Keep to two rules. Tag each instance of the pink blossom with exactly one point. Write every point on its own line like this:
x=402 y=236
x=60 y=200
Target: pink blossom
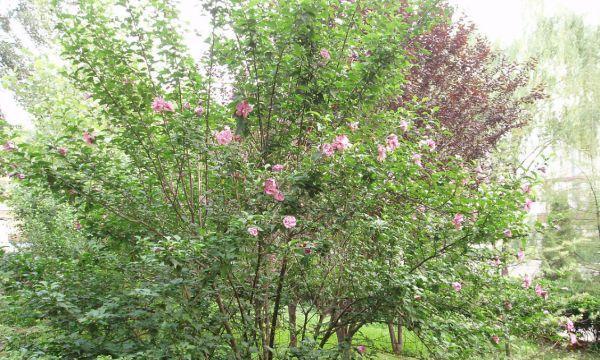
x=458 y=220
x=159 y=105
x=507 y=233
x=541 y=292
x=289 y=221
x=88 y=138
x=327 y=149
x=496 y=261
x=570 y=326
x=421 y=208
x=404 y=125
x=457 y=286
x=77 y=225
x=325 y=54
x=526 y=281
x=20 y=176
x=361 y=349
x=279 y=196
x=381 y=153
x=199 y=111
x=224 y=136
x=353 y=126
x=520 y=255
x=573 y=339
x=508 y=305
x=243 y=109
x=526 y=188
x=392 y=142
x=62 y=151
x=277 y=167
x=416 y=158
x=496 y=339
x=253 y=230
x=430 y=143
x=9 y=146
x=270 y=187
x=308 y=250
x=341 y=143
x=186 y=105
x=528 y=204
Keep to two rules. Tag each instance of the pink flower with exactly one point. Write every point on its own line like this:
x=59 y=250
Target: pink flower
x=308 y=250
x=541 y=292
x=457 y=286
x=341 y=143
x=20 y=176
x=520 y=255
x=507 y=233
x=289 y=221
x=496 y=339
x=458 y=220
x=508 y=305
x=528 y=204
x=361 y=349
x=277 y=167
x=62 y=151
x=416 y=158
x=159 y=105
x=421 y=208
x=279 y=196
x=381 y=153
x=392 y=142
x=526 y=281
x=325 y=54
x=77 y=225
x=327 y=149
x=270 y=187
x=9 y=146
x=496 y=261
x=199 y=111
x=404 y=125
x=353 y=126
x=186 y=105
x=431 y=144
x=526 y=188
x=573 y=339
x=253 y=230
x=570 y=326
x=88 y=138
x=224 y=136
x=243 y=109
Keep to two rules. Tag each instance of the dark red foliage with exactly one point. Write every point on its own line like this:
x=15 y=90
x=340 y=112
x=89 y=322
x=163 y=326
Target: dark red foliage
x=480 y=94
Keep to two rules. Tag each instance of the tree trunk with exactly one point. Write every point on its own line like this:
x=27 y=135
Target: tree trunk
x=292 y=320
x=392 y=331
x=400 y=336
x=344 y=342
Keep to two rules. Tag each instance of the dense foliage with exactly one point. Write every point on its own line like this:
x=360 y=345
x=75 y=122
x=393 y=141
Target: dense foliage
x=266 y=203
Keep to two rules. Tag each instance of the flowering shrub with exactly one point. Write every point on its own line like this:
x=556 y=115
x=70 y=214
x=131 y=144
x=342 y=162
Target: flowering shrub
x=291 y=187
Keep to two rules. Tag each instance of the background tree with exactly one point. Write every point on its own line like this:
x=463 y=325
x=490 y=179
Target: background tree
x=479 y=94
x=567 y=124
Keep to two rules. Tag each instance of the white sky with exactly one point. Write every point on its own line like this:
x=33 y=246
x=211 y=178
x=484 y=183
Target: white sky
x=504 y=21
